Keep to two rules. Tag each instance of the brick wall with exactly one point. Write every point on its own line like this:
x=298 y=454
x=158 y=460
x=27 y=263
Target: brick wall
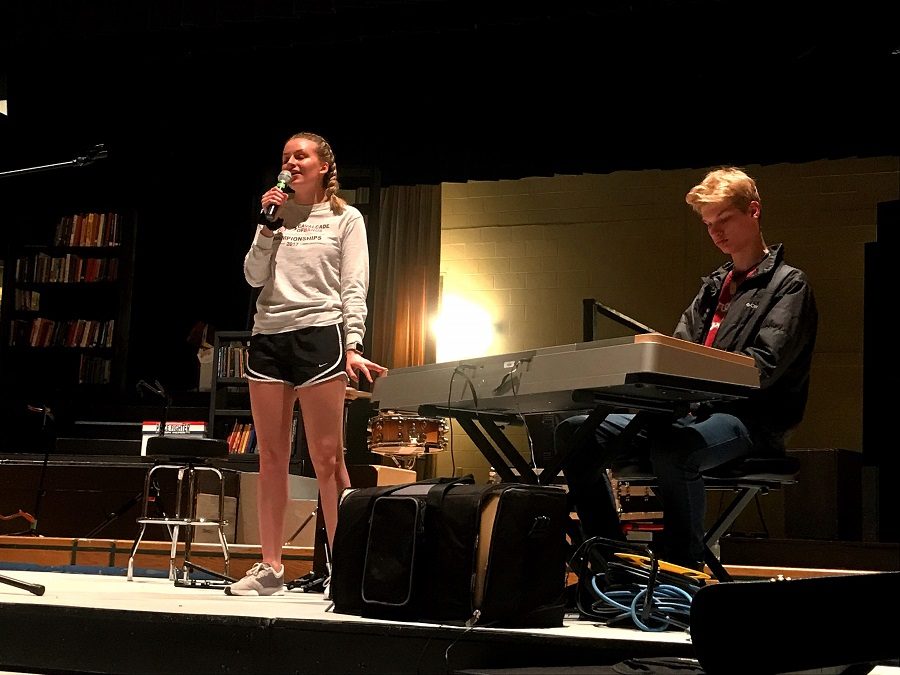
x=529 y=250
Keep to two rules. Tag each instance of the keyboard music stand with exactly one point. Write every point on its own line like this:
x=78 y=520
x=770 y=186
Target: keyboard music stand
x=591 y=305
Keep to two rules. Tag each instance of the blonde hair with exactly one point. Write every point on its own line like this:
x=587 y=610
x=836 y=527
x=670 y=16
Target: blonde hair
x=728 y=184
x=329 y=180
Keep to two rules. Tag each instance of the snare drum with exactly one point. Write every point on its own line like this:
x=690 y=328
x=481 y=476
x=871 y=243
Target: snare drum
x=395 y=433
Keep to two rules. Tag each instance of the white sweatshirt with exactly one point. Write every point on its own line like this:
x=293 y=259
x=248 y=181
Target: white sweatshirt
x=314 y=271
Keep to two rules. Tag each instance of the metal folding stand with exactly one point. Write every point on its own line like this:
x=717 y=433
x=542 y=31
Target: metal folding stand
x=306 y=521
x=314 y=580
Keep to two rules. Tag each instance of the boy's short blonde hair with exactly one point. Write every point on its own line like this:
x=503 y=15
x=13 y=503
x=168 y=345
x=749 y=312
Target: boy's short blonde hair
x=728 y=184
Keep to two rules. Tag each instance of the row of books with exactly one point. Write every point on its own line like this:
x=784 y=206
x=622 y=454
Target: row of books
x=70 y=268
x=43 y=332
x=27 y=301
x=232 y=360
x=93 y=370
x=88 y=229
x=242 y=439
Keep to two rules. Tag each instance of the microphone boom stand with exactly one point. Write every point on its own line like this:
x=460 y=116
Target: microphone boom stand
x=95 y=153
x=37 y=589
x=49 y=442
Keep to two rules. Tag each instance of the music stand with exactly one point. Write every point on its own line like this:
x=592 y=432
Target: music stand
x=592 y=304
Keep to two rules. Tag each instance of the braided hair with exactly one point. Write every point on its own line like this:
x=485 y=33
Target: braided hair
x=330 y=179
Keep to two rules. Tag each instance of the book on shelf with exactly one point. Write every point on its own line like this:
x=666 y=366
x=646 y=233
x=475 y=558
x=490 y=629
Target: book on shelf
x=242 y=439
x=88 y=229
x=70 y=268
x=232 y=360
x=94 y=370
x=44 y=332
x=27 y=301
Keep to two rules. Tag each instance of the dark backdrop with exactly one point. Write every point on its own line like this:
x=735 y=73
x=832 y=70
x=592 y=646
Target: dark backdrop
x=194 y=101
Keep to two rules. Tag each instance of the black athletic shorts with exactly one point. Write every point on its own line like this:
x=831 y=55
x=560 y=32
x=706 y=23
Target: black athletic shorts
x=299 y=357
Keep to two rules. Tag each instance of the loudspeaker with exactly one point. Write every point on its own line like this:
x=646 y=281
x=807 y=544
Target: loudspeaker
x=878 y=445
x=769 y=627
x=826 y=501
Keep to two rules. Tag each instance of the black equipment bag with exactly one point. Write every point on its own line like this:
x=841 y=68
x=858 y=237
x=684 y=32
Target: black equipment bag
x=451 y=551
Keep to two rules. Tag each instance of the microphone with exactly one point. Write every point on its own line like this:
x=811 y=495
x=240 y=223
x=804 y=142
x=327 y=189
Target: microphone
x=269 y=211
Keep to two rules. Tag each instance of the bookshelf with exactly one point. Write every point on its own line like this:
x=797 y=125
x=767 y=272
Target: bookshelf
x=229 y=399
x=66 y=310
x=229 y=402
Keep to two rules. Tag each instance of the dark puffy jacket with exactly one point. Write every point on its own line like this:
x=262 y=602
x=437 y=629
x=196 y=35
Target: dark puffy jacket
x=773 y=318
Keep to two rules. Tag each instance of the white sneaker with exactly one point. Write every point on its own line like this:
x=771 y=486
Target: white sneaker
x=261 y=579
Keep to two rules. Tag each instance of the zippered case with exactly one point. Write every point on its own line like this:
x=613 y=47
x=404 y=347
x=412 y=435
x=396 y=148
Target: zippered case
x=451 y=551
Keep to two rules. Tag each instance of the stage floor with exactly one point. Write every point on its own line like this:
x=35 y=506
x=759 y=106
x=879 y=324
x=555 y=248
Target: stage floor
x=106 y=624
x=103 y=623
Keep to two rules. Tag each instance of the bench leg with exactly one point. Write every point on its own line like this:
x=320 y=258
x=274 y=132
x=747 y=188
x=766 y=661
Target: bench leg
x=745 y=495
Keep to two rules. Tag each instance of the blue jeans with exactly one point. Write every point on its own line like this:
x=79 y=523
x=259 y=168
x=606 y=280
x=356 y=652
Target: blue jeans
x=678 y=452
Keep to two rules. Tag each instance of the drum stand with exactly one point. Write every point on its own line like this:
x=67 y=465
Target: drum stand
x=402 y=461
x=314 y=580
x=312 y=514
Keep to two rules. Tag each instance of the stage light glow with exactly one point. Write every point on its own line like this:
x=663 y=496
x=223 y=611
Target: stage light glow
x=462 y=329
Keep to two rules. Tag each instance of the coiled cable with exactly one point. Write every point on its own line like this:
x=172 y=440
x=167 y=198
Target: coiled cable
x=668 y=605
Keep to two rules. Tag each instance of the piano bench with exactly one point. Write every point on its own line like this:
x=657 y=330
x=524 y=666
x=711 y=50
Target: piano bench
x=747 y=478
